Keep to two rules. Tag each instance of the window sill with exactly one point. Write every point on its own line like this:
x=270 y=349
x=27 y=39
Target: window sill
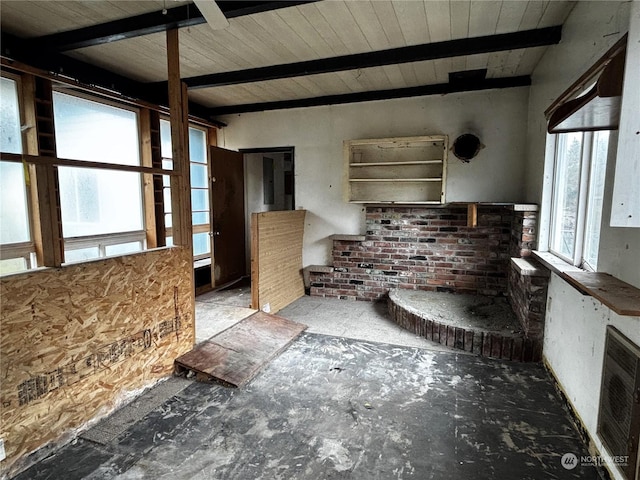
x=622 y=298
x=555 y=264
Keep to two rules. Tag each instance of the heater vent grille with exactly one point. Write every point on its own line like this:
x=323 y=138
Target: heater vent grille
x=619 y=413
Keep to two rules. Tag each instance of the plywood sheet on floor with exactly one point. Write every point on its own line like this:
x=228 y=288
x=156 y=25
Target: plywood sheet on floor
x=235 y=356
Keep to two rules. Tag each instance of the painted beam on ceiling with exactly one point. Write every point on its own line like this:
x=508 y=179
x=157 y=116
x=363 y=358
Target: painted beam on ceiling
x=420 y=91
x=416 y=53
x=71 y=70
x=148 y=23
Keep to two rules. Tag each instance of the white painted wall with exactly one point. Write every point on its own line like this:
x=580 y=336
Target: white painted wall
x=574 y=342
x=498 y=117
x=619 y=252
x=626 y=200
x=576 y=324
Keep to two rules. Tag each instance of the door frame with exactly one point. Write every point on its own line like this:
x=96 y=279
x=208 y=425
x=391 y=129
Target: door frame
x=247 y=213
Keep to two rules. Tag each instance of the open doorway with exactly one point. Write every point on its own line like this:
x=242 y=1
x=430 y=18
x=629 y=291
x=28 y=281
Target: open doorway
x=269 y=184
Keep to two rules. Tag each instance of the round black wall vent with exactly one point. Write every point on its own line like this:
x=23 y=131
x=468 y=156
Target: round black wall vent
x=466 y=146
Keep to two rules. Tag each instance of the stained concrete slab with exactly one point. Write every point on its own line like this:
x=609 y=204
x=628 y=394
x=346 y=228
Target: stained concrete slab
x=111 y=427
x=332 y=407
x=357 y=320
x=327 y=316
x=221 y=309
x=471 y=312
x=237 y=294
x=213 y=318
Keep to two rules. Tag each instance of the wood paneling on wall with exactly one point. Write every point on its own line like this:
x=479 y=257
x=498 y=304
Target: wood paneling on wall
x=276 y=259
x=74 y=340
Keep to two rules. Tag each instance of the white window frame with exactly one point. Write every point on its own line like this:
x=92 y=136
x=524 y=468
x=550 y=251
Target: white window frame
x=584 y=199
x=105 y=240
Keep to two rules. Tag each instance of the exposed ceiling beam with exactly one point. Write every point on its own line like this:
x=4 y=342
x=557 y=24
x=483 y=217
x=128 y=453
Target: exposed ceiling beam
x=148 y=23
x=67 y=68
x=424 y=90
x=416 y=53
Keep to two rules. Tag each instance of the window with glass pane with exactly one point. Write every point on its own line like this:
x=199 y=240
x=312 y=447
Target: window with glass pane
x=10 y=136
x=578 y=190
x=96 y=201
x=14 y=207
x=200 y=211
x=167 y=163
x=14 y=212
x=566 y=191
x=595 y=198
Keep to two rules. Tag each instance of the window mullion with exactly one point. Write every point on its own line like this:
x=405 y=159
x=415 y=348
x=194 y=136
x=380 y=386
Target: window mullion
x=587 y=147
x=553 y=230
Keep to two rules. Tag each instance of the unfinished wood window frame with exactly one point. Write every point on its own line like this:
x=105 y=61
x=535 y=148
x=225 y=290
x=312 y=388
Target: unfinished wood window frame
x=148 y=156
x=204 y=228
x=101 y=241
x=42 y=167
x=38 y=165
x=26 y=250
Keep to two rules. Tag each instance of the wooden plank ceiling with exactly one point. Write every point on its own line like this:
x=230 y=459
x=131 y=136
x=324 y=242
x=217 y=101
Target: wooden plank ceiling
x=311 y=31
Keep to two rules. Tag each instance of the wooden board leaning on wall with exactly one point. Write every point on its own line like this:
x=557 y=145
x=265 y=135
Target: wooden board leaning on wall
x=74 y=340
x=276 y=259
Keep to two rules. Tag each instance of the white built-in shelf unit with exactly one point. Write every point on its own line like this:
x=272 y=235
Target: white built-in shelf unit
x=403 y=170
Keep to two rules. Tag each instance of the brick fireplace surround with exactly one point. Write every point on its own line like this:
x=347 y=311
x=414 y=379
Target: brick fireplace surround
x=428 y=248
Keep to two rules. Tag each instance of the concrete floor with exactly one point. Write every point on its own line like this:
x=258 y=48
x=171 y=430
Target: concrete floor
x=217 y=311
x=381 y=404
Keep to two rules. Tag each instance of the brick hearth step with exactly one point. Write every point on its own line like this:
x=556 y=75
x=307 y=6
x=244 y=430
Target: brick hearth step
x=477 y=324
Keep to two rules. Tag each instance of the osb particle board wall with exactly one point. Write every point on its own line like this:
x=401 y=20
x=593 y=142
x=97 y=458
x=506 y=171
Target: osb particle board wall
x=276 y=259
x=74 y=340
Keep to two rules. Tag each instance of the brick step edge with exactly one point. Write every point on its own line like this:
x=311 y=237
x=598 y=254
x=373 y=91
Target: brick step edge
x=492 y=345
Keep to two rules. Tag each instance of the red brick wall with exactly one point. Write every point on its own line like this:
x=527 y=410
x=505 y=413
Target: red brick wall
x=427 y=248
x=523 y=233
x=528 y=298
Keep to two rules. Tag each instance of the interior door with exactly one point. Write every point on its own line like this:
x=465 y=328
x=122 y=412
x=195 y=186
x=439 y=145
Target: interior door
x=227 y=216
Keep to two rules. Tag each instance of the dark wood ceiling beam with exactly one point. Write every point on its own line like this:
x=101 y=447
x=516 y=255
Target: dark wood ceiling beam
x=235 y=8
x=68 y=70
x=420 y=91
x=417 y=53
x=148 y=23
